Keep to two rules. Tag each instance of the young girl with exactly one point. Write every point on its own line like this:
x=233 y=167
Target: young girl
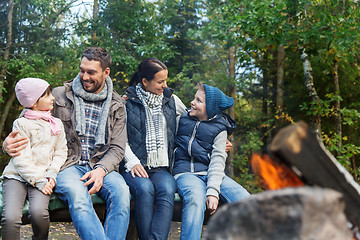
x=200 y=159
x=33 y=173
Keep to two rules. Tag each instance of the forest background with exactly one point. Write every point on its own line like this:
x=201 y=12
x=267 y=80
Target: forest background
x=283 y=61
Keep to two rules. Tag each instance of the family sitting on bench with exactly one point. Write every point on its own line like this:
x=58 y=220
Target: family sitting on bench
x=165 y=148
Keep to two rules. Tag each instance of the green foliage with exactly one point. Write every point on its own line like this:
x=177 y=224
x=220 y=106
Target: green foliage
x=197 y=40
x=37 y=38
x=345 y=151
x=177 y=19
x=325 y=29
x=248 y=141
x=323 y=107
x=131 y=31
x=245 y=177
x=37 y=50
x=185 y=87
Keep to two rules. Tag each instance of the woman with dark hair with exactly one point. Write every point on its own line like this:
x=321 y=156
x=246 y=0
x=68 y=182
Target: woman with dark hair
x=151 y=125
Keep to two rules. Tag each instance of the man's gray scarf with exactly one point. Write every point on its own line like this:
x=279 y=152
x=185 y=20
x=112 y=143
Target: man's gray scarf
x=80 y=95
x=154 y=126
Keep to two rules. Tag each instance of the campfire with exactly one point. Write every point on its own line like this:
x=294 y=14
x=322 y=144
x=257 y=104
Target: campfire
x=274 y=174
x=310 y=195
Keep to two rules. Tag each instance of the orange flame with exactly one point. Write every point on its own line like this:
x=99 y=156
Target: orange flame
x=274 y=175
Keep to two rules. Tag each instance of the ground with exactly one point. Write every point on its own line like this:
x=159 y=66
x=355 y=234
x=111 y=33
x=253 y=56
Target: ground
x=66 y=231
x=58 y=231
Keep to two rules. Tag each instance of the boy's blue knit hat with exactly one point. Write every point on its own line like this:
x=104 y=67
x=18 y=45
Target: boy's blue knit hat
x=216 y=101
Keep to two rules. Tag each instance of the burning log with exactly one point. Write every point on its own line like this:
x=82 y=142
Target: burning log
x=290 y=213
x=322 y=209
x=298 y=147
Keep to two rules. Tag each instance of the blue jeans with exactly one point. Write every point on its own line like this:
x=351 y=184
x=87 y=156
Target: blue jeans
x=192 y=189
x=115 y=193
x=158 y=190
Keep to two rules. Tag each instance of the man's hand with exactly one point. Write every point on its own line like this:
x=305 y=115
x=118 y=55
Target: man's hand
x=95 y=176
x=228 y=145
x=139 y=170
x=14 y=143
x=212 y=204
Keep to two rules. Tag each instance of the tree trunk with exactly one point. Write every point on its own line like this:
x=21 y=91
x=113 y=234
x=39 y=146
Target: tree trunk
x=337 y=105
x=353 y=166
x=95 y=16
x=5 y=114
x=265 y=106
x=343 y=7
x=7 y=48
x=232 y=90
x=280 y=81
x=280 y=77
x=309 y=84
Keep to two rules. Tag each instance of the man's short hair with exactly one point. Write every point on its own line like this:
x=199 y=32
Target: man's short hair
x=98 y=54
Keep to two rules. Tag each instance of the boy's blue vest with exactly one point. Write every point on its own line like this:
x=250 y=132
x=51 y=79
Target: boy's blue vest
x=136 y=129
x=200 y=136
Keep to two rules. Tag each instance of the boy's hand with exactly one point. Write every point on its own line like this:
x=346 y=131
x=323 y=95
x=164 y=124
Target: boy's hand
x=212 y=204
x=228 y=145
x=14 y=143
x=139 y=170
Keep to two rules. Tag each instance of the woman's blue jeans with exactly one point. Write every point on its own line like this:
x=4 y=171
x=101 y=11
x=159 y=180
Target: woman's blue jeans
x=154 y=203
x=115 y=193
x=192 y=189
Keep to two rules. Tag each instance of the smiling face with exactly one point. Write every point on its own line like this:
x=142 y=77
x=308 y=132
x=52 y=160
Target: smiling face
x=157 y=84
x=45 y=103
x=198 y=106
x=92 y=76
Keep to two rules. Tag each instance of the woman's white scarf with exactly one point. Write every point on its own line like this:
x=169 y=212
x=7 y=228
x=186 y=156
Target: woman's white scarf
x=155 y=145
x=80 y=95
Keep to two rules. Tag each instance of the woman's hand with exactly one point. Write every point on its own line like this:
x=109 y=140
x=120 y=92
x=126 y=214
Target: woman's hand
x=139 y=170
x=212 y=203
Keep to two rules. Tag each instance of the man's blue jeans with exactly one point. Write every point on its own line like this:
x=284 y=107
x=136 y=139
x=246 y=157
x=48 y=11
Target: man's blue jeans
x=192 y=189
x=158 y=190
x=115 y=193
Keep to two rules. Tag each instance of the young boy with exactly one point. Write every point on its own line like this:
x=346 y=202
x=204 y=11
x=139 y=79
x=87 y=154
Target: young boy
x=200 y=159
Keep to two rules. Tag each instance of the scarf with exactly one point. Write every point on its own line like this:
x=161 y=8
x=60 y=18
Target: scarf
x=80 y=95
x=154 y=127
x=45 y=115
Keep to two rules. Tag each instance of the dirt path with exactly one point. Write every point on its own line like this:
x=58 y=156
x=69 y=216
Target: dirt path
x=58 y=231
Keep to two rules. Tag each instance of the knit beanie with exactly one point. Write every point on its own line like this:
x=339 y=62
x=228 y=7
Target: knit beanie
x=29 y=90
x=216 y=101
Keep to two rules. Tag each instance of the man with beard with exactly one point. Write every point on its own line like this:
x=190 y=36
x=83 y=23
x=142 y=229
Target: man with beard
x=93 y=115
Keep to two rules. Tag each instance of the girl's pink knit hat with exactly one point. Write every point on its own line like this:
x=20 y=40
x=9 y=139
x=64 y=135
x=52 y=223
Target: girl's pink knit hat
x=29 y=90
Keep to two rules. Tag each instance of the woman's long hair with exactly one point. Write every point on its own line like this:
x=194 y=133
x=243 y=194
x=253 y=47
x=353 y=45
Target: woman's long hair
x=147 y=69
